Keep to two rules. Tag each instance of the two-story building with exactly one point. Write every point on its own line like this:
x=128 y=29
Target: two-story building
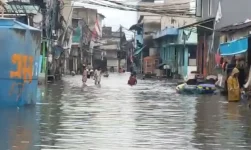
x=83 y=24
x=220 y=21
x=176 y=46
x=148 y=23
x=112 y=48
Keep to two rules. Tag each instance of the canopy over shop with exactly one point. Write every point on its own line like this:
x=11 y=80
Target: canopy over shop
x=238 y=48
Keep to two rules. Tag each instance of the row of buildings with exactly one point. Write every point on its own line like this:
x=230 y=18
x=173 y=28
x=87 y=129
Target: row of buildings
x=91 y=43
x=181 y=44
x=100 y=46
x=71 y=35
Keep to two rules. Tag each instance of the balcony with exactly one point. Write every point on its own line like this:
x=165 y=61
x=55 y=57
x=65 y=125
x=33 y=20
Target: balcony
x=76 y=35
x=166 y=32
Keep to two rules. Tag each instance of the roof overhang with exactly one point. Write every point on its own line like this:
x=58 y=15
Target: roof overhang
x=136 y=27
x=166 y=32
x=235 y=27
x=101 y=15
x=21 y=9
x=200 y=24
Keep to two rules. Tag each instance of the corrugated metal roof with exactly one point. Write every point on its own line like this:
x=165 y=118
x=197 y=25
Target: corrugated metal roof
x=236 y=26
x=21 y=9
x=12 y=23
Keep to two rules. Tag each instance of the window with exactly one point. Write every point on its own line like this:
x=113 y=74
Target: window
x=192 y=50
x=156 y=62
x=74 y=23
x=148 y=64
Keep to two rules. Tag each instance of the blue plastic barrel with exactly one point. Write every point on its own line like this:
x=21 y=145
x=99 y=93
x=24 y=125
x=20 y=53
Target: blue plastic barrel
x=19 y=63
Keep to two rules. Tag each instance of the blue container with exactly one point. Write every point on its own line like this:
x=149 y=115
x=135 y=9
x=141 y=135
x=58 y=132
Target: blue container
x=19 y=63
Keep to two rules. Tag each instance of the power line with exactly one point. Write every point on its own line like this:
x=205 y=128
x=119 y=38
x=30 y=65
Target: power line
x=165 y=12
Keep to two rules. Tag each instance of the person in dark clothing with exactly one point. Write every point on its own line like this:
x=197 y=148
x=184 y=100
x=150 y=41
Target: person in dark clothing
x=131 y=69
x=242 y=76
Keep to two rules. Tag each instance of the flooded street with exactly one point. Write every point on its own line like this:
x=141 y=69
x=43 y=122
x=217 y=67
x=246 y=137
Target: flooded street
x=115 y=116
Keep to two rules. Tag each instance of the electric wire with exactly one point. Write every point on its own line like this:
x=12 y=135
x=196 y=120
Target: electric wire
x=171 y=12
x=164 y=6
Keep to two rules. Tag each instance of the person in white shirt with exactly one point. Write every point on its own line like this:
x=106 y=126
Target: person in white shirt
x=97 y=76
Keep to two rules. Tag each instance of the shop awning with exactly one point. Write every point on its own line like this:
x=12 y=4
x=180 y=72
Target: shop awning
x=166 y=32
x=139 y=50
x=199 y=23
x=234 y=47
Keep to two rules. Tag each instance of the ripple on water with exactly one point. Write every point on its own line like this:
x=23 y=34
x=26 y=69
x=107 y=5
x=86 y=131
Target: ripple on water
x=115 y=116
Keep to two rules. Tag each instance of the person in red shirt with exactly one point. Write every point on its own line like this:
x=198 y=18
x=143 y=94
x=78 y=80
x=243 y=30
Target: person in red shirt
x=132 y=80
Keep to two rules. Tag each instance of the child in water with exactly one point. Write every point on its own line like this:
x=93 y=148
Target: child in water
x=132 y=80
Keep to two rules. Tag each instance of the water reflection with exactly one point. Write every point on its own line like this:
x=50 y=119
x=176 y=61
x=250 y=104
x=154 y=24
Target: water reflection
x=50 y=109
x=219 y=124
x=19 y=128
x=149 y=116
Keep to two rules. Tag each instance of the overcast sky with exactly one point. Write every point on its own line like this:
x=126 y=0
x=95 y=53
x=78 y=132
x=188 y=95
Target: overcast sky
x=115 y=18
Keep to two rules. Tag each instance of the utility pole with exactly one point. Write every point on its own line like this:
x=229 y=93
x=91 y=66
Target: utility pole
x=120 y=46
x=81 y=24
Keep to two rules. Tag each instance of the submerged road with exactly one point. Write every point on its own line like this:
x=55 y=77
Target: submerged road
x=115 y=116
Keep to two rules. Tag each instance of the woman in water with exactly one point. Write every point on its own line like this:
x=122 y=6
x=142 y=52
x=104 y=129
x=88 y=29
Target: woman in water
x=84 y=76
x=97 y=76
x=233 y=86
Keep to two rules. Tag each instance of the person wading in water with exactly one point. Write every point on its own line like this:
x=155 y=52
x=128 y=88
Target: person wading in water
x=97 y=76
x=233 y=86
x=84 y=76
x=229 y=67
x=132 y=80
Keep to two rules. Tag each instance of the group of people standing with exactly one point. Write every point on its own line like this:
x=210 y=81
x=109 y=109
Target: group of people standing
x=96 y=75
x=89 y=74
x=236 y=78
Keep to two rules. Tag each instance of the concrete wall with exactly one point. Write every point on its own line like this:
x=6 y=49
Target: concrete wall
x=107 y=31
x=225 y=37
x=111 y=54
x=89 y=15
x=152 y=51
x=176 y=22
x=151 y=21
x=192 y=38
x=38 y=19
x=112 y=63
x=169 y=21
x=109 y=47
x=67 y=11
x=232 y=11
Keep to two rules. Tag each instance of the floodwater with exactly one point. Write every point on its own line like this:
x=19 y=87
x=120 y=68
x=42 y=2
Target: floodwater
x=115 y=116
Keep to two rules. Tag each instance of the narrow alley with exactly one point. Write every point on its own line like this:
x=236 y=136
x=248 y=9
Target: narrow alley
x=149 y=116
